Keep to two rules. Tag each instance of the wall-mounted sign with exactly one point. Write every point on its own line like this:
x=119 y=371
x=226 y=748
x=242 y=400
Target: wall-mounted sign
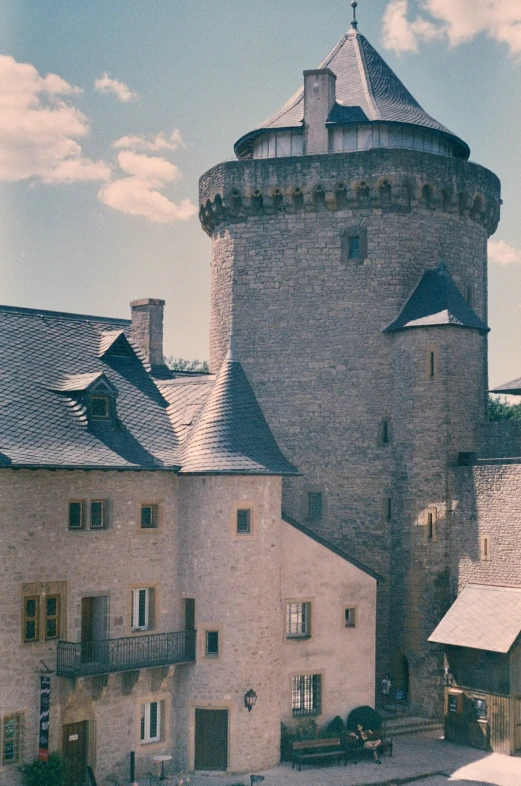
x=45 y=703
x=74 y=737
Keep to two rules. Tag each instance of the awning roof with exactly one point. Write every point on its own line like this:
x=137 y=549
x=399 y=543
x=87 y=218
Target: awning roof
x=482 y=618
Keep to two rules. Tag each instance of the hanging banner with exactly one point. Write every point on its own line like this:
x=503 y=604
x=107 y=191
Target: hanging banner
x=45 y=703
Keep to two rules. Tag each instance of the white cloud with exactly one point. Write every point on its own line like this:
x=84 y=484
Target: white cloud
x=39 y=129
x=406 y=22
x=502 y=253
x=139 y=194
x=152 y=143
x=104 y=84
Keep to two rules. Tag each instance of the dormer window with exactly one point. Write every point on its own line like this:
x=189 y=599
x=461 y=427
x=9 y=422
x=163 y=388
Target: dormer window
x=100 y=407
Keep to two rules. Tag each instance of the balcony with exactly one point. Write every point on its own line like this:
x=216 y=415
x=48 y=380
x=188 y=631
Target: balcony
x=83 y=659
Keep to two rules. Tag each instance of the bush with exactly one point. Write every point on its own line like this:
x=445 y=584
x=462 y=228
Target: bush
x=45 y=773
x=336 y=727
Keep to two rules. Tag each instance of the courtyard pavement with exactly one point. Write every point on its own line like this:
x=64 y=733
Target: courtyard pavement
x=420 y=759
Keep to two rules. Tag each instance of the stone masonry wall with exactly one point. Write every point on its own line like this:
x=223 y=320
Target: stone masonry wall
x=308 y=321
x=487 y=502
x=434 y=420
x=235 y=581
x=38 y=548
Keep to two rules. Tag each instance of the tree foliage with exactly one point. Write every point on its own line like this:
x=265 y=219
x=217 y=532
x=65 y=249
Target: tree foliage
x=192 y=366
x=500 y=409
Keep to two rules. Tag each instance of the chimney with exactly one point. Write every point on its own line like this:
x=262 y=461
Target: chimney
x=319 y=100
x=147 y=328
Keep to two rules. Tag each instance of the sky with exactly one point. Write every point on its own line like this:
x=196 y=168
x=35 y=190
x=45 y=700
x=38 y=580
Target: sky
x=111 y=111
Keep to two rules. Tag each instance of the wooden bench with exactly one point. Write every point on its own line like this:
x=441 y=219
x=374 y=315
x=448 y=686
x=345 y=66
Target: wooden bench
x=303 y=750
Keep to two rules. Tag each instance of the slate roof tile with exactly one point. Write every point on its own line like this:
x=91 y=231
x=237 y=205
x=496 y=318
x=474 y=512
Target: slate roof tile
x=366 y=88
x=49 y=360
x=436 y=301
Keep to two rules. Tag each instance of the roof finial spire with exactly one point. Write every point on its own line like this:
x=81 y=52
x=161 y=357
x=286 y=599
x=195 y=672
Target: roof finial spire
x=354 y=22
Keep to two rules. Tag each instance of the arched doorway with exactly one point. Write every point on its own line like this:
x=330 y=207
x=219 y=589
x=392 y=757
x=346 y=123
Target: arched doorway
x=400 y=676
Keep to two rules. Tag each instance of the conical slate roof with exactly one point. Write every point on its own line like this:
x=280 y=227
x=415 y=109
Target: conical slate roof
x=232 y=436
x=436 y=301
x=367 y=90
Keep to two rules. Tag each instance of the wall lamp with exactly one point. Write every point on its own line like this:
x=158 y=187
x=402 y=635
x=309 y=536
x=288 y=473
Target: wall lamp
x=249 y=700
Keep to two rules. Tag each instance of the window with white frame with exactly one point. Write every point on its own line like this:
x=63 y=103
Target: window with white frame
x=151 y=721
x=306 y=695
x=298 y=620
x=142 y=608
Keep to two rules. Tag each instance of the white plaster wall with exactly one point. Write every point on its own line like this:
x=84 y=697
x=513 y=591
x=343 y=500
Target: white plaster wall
x=344 y=656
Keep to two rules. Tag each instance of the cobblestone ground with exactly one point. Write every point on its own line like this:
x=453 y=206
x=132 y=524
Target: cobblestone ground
x=420 y=760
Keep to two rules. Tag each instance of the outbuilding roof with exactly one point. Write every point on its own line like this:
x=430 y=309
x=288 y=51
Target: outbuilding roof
x=482 y=617
x=435 y=301
x=367 y=90
x=512 y=388
x=51 y=362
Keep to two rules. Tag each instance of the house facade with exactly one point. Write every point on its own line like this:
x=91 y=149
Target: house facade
x=148 y=578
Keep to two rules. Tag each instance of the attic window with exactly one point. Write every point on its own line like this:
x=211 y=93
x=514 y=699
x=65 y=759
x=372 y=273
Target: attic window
x=100 y=407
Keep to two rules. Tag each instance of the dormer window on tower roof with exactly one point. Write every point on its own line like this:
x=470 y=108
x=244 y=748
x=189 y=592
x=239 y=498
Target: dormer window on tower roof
x=100 y=407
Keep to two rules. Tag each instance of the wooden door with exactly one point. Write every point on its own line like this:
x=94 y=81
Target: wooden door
x=75 y=751
x=517 y=724
x=211 y=740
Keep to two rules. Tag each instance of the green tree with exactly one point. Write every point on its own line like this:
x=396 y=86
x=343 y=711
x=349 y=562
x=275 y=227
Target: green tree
x=500 y=409
x=193 y=366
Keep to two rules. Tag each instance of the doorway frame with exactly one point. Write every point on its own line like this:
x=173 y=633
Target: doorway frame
x=210 y=705
x=89 y=742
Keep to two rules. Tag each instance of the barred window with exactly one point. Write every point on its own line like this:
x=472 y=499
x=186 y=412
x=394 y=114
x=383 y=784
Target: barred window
x=298 y=620
x=306 y=695
x=11 y=727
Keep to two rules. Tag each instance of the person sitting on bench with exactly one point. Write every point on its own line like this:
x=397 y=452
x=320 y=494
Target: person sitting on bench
x=363 y=737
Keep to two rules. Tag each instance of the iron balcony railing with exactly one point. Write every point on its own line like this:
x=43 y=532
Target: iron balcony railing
x=81 y=659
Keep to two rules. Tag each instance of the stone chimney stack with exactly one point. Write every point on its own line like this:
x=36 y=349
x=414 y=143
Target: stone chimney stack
x=319 y=100
x=147 y=328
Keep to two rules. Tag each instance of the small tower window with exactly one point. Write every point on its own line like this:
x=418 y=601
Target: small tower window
x=100 y=407
x=385 y=432
x=485 y=548
x=388 y=508
x=354 y=247
x=349 y=617
x=431 y=527
x=431 y=362
x=315 y=505
x=469 y=294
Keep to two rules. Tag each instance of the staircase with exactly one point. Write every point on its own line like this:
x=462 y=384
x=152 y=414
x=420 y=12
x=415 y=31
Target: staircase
x=407 y=724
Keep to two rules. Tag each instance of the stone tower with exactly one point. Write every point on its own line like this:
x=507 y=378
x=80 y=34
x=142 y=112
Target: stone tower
x=336 y=208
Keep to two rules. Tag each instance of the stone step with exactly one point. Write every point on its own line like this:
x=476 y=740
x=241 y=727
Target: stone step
x=398 y=727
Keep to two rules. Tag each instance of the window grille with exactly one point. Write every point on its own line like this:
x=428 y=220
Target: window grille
x=306 y=695
x=298 y=619
x=11 y=731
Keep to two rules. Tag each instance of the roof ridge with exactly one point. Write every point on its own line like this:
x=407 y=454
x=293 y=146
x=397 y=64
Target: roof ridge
x=364 y=78
x=40 y=312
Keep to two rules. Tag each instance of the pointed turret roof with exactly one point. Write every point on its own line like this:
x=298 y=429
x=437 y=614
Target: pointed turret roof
x=436 y=301
x=367 y=90
x=232 y=436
